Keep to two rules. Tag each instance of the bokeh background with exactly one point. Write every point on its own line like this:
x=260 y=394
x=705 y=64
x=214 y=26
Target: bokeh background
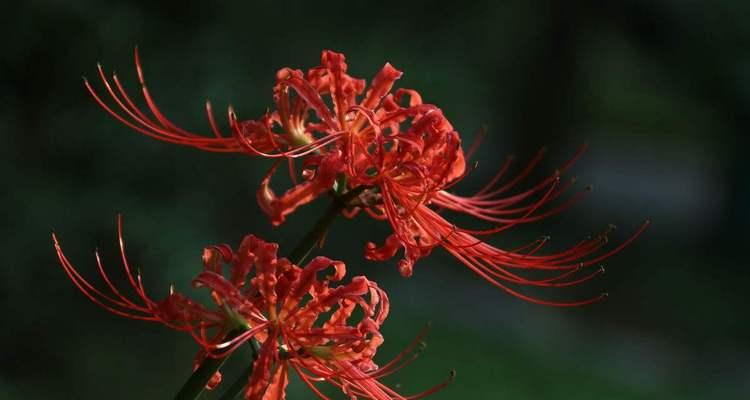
x=658 y=89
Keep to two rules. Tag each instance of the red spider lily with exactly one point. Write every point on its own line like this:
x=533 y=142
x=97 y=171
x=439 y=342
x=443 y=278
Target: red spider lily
x=412 y=198
x=302 y=321
x=407 y=156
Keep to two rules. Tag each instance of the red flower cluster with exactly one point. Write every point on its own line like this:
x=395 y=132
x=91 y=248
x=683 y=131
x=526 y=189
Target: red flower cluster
x=302 y=321
x=403 y=156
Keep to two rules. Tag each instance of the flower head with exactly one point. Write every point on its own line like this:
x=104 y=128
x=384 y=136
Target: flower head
x=303 y=318
x=404 y=157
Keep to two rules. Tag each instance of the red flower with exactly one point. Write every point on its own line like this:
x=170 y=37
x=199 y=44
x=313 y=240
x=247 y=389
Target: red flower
x=404 y=156
x=303 y=322
x=414 y=211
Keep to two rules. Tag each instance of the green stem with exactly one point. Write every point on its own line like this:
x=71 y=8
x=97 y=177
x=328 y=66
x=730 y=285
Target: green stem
x=240 y=383
x=313 y=237
x=193 y=388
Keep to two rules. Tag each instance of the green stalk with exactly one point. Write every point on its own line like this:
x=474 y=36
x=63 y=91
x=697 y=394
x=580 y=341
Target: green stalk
x=314 y=236
x=193 y=388
x=240 y=383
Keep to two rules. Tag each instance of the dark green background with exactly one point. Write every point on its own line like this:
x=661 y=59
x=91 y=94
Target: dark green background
x=659 y=89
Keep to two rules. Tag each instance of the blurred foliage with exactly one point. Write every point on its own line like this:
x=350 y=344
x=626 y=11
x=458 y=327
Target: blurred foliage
x=659 y=89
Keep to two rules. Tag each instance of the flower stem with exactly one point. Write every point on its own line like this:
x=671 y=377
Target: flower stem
x=314 y=236
x=240 y=383
x=193 y=388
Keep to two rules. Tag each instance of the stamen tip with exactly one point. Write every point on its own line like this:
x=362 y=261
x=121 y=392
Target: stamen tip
x=451 y=375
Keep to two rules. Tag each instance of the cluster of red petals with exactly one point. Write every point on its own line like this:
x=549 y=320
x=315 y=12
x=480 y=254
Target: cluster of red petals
x=302 y=320
x=404 y=155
